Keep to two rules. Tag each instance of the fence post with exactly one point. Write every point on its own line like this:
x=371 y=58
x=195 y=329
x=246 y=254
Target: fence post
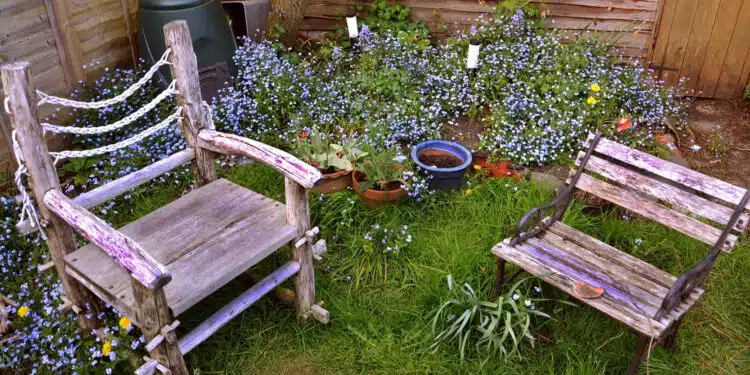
x=19 y=88
x=195 y=117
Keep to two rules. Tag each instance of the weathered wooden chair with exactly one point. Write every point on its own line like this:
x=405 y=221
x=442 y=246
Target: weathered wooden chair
x=643 y=297
x=156 y=268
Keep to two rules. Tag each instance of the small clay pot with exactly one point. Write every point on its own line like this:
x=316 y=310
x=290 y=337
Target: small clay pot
x=334 y=182
x=375 y=198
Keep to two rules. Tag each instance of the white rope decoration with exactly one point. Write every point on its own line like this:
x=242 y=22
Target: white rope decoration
x=49 y=99
x=119 y=145
x=27 y=206
x=120 y=123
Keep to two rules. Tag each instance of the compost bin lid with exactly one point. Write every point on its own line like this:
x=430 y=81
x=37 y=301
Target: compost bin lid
x=170 y=4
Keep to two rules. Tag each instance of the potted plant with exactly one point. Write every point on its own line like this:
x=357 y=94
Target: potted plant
x=445 y=161
x=378 y=179
x=335 y=161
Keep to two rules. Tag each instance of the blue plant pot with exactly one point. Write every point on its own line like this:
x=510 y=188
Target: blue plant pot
x=443 y=178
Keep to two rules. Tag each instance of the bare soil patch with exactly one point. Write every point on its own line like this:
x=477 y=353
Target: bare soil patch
x=721 y=131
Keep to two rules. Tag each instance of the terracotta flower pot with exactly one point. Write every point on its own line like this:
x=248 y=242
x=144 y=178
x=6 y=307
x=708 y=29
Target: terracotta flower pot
x=375 y=198
x=334 y=182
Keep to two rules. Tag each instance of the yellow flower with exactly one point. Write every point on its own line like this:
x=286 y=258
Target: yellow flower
x=124 y=323
x=23 y=311
x=591 y=100
x=595 y=87
x=477 y=167
x=468 y=191
x=106 y=348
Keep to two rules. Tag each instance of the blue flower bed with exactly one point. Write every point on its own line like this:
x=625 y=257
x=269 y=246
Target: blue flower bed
x=539 y=96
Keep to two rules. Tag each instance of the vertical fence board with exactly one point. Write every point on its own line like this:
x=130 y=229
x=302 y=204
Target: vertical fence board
x=678 y=39
x=700 y=33
x=665 y=27
x=721 y=35
x=729 y=84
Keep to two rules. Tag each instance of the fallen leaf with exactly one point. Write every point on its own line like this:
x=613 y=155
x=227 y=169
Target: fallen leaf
x=583 y=289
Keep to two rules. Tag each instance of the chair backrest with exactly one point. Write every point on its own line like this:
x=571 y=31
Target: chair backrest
x=690 y=202
x=191 y=114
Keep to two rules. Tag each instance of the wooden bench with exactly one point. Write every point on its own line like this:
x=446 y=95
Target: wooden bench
x=645 y=298
x=156 y=268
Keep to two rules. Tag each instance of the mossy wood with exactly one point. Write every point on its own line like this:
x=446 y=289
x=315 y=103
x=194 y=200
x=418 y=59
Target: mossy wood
x=645 y=298
x=157 y=267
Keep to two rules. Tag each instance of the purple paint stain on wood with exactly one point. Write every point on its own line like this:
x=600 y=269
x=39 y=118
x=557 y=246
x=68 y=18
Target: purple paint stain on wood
x=555 y=258
x=125 y=251
x=677 y=173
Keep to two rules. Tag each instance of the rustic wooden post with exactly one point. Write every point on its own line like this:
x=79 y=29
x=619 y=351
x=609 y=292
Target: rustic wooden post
x=19 y=88
x=195 y=117
x=298 y=214
x=287 y=14
x=153 y=313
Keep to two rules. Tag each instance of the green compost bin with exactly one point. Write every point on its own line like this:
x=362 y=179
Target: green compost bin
x=213 y=42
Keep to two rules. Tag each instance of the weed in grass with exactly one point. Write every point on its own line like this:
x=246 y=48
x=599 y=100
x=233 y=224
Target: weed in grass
x=492 y=328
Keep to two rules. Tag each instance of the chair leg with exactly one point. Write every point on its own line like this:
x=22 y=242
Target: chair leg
x=153 y=313
x=298 y=215
x=671 y=338
x=641 y=348
x=499 y=278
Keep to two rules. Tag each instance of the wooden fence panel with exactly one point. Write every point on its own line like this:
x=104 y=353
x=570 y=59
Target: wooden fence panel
x=627 y=22
x=707 y=42
x=59 y=37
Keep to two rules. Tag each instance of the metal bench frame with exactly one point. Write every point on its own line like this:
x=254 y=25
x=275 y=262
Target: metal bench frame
x=530 y=227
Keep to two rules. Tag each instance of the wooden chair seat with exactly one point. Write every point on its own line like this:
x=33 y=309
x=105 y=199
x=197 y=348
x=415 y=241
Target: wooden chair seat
x=633 y=289
x=205 y=238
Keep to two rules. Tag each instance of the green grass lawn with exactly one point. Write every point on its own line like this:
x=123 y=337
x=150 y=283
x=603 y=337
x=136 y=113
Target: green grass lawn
x=381 y=305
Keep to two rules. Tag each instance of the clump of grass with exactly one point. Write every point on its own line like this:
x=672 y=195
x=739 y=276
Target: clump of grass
x=496 y=328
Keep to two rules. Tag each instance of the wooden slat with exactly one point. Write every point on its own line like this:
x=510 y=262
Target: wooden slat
x=126 y=183
x=639 y=293
x=718 y=45
x=612 y=254
x=659 y=6
x=171 y=231
x=700 y=32
x=616 y=305
x=101 y=194
x=663 y=32
x=616 y=280
x=67 y=34
x=26 y=18
x=678 y=40
x=205 y=238
x=731 y=84
x=227 y=255
x=676 y=197
x=684 y=176
x=654 y=211
x=237 y=306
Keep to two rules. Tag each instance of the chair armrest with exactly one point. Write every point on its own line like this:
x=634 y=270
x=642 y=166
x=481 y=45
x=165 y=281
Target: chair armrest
x=534 y=214
x=285 y=163
x=561 y=203
x=694 y=278
x=124 y=250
